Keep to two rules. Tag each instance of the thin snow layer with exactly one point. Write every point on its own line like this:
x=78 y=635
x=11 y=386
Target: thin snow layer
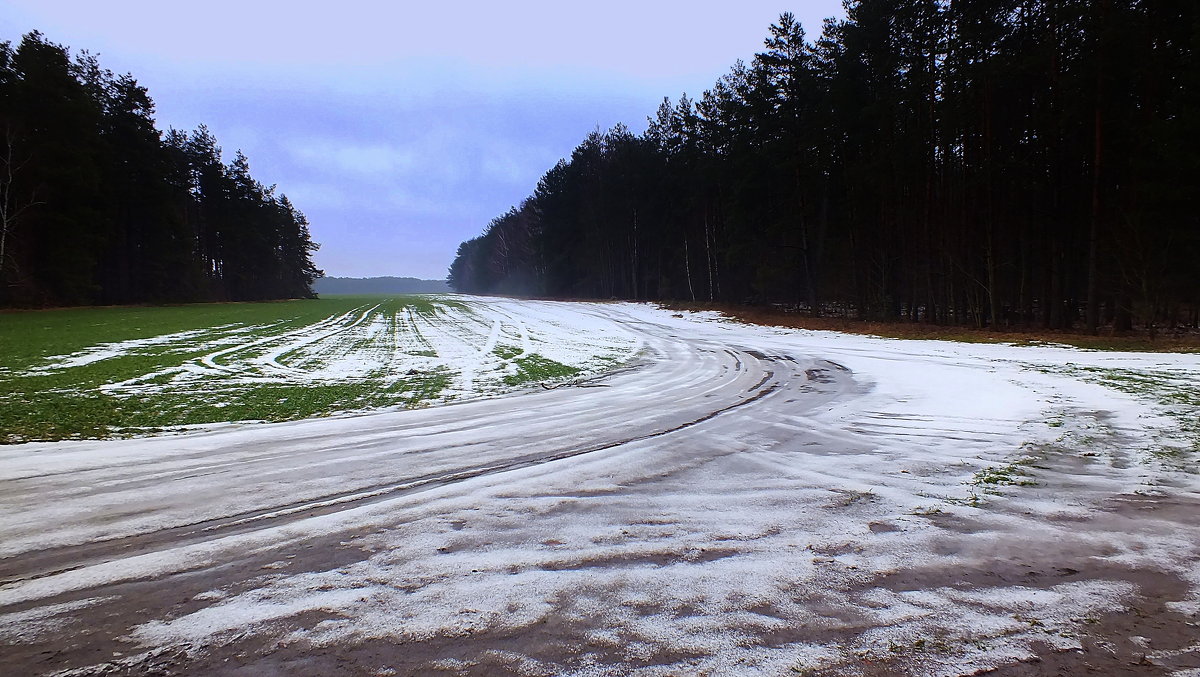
x=104 y=351
x=914 y=501
x=476 y=342
x=21 y=625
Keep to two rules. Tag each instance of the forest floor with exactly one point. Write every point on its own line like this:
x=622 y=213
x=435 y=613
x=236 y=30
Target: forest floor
x=1165 y=340
x=731 y=499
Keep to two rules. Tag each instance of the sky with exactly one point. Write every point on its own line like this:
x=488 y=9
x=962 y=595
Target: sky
x=401 y=129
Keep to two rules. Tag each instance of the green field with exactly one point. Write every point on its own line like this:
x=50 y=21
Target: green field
x=105 y=372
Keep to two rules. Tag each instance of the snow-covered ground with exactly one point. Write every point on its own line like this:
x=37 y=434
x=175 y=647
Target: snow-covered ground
x=741 y=500
x=478 y=343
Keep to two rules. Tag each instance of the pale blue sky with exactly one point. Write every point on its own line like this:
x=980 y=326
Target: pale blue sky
x=399 y=128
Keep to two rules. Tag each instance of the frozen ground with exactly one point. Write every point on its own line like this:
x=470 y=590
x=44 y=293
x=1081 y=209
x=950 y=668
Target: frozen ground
x=480 y=345
x=739 y=500
x=103 y=373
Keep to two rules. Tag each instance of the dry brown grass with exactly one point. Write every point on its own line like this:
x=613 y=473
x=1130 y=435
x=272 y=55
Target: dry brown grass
x=1179 y=342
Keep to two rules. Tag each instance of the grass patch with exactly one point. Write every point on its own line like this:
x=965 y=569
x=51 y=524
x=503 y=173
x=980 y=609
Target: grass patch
x=1007 y=475
x=535 y=368
x=87 y=373
x=1163 y=387
x=1177 y=396
x=506 y=352
x=428 y=305
x=41 y=402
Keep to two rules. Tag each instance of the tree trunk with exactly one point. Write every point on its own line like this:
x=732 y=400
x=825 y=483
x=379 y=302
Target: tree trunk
x=687 y=267
x=1093 y=298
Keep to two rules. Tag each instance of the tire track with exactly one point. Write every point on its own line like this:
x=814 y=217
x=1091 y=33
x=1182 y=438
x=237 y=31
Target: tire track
x=100 y=551
x=281 y=475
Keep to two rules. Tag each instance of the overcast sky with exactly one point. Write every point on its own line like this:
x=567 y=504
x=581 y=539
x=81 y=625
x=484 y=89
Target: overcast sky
x=399 y=128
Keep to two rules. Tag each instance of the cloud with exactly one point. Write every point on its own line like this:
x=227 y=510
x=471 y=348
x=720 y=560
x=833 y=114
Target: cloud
x=632 y=38
x=375 y=174
x=317 y=195
x=354 y=158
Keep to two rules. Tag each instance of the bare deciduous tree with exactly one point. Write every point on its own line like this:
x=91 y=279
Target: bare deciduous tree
x=11 y=207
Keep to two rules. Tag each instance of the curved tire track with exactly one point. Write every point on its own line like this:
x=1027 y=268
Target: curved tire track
x=171 y=492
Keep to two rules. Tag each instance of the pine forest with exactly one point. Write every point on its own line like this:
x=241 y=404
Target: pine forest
x=993 y=164
x=97 y=206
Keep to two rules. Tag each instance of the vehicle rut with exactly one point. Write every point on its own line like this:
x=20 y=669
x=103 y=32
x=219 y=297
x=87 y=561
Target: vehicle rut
x=205 y=530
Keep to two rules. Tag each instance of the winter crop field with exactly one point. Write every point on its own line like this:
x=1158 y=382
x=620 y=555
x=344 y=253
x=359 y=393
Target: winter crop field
x=104 y=372
x=487 y=486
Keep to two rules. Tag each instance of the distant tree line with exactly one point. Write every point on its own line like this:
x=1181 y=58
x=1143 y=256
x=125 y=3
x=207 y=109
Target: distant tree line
x=1006 y=163
x=379 y=285
x=97 y=206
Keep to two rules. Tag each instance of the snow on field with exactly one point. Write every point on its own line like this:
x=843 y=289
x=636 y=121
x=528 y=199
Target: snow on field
x=478 y=343
x=749 y=501
x=106 y=351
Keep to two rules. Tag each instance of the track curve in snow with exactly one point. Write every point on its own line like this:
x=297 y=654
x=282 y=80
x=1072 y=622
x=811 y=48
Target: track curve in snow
x=164 y=492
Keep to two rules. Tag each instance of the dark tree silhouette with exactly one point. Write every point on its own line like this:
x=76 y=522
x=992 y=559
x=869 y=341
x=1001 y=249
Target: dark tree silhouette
x=995 y=164
x=98 y=206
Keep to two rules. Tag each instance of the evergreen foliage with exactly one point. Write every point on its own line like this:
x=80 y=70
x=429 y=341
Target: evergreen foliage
x=1005 y=163
x=99 y=207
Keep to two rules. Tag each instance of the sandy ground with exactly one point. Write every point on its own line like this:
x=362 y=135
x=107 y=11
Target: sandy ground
x=737 y=500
